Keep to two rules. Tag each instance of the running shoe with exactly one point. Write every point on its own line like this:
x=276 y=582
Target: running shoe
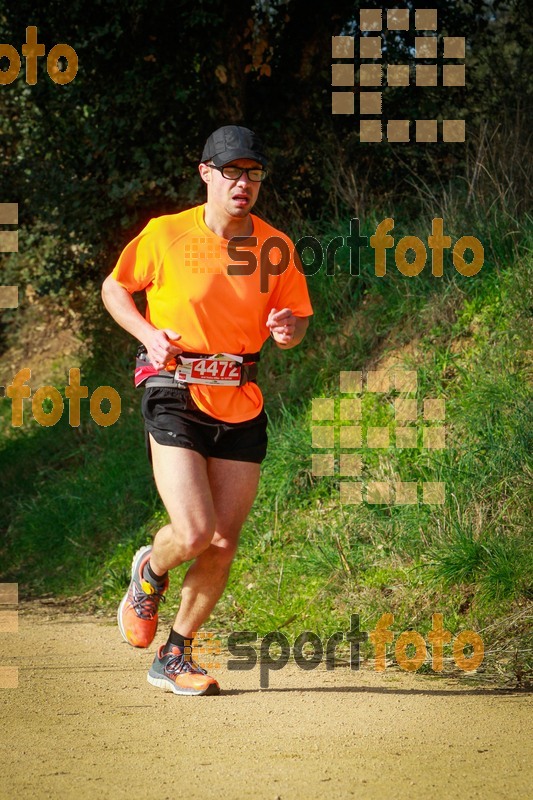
x=175 y=672
x=137 y=612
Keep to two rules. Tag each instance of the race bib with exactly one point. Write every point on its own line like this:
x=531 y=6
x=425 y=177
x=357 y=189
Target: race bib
x=222 y=369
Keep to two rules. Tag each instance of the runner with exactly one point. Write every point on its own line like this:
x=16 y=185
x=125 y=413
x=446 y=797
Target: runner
x=204 y=418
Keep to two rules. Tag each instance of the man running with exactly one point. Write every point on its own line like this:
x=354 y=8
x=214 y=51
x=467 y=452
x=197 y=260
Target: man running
x=203 y=411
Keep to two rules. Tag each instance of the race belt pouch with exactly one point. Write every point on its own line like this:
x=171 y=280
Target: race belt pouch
x=220 y=369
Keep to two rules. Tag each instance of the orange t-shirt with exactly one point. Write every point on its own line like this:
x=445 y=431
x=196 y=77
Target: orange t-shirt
x=183 y=266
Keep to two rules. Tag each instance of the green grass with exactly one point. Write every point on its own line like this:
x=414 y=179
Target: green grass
x=82 y=500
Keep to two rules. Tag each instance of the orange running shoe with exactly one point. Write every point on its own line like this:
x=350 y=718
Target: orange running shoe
x=137 y=613
x=175 y=672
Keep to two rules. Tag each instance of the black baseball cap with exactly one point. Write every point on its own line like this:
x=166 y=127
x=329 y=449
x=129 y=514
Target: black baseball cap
x=231 y=142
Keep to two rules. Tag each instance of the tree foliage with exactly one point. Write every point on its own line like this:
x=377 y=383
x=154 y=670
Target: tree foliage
x=91 y=161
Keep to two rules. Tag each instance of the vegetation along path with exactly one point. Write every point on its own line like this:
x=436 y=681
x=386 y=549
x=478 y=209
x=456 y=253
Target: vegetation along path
x=84 y=723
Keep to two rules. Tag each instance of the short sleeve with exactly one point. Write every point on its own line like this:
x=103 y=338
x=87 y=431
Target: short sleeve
x=291 y=288
x=137 y=265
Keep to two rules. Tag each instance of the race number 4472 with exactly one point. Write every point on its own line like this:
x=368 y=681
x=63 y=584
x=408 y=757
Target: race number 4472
x=217 y=371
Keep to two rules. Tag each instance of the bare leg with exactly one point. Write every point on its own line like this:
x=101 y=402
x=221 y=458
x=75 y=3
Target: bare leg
x=208 y=502
x=234 y=486
x=183 y=484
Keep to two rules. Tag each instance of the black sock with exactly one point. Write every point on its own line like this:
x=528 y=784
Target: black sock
x=152 y=577
x=177 y=640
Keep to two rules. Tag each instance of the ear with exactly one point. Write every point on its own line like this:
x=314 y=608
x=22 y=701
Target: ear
x=205 y=172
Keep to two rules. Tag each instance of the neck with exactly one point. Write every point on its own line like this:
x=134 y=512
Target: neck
x=225 y=226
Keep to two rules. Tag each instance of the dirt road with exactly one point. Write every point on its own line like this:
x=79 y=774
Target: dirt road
x=85 y=724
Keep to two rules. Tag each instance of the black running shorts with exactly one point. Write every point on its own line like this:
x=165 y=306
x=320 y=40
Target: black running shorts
x=173 y=418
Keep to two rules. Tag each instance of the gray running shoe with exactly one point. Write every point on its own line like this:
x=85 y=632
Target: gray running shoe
x=176 y=672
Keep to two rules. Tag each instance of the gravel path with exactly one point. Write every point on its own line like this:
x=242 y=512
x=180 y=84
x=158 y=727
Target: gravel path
x=85 y=723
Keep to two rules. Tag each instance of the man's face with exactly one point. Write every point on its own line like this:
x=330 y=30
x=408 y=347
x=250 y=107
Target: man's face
x=235 y=197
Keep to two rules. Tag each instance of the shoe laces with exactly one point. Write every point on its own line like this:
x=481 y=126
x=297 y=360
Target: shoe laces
x=180 y=663
x=146 y=605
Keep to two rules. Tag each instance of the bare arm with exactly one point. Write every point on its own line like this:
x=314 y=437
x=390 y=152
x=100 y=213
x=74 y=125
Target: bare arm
x=122 y=308
x=286 y=329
